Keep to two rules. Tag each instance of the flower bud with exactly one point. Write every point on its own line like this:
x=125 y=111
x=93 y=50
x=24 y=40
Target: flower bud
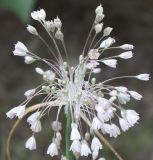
x=57 y=23
x=32 y=30
x=93 y=80
x=29 y=59
x=107 y=31
x=107 y=43
x=126 y=55
x=87 y=136
x=99 y=17
x=59 y=35
x=39 y=71
x=98 y=27
x=50 y=26
x=127 y=47
x=99 y=9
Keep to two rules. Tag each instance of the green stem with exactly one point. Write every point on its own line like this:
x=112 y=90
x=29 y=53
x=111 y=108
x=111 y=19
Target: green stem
x=69 y=155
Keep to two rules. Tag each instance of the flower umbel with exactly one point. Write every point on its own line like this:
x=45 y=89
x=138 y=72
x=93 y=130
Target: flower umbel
x=76 y=89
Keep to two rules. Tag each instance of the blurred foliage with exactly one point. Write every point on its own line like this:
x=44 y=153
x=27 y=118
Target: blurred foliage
x=21 y=8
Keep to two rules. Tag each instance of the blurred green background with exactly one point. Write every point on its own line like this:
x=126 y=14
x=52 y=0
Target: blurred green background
x=132 y=21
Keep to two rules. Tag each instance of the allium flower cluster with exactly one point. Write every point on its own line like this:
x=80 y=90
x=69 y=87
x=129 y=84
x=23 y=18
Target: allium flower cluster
x=76 y=89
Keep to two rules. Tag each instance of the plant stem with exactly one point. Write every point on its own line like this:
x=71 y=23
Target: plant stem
x=69 y=155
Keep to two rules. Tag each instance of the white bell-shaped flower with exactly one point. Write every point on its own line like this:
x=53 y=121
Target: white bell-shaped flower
x=85 y=150
x=31 y=143
x=96 y=144
x=110 y=62
x=29 y=93
x=18 y=111
x=95 y=154
x=33 y=117
x=96 y=124
x=113 y=130
x=131 y=116
x=126 y=55
x=39 y=15
x=36 y=126
x=75 y=146
x=124 y=124
x=143 y=77
x=52 y=149
x=123 y=97
x=75 y=134
x=20 y=49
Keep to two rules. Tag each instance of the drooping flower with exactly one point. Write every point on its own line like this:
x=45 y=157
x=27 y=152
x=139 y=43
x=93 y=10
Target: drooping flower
x=33 y=117
x=31 y=143
x=131 y=116
x=85 y=150
x=96 y=144
x=96 y=124
x=36 y=126
x=75 y=135
x=52 y=149
x=29 y=93
x=18 y=111
x=75 y=146
x=124 y=124
x=95 y=154
x=113 y=130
